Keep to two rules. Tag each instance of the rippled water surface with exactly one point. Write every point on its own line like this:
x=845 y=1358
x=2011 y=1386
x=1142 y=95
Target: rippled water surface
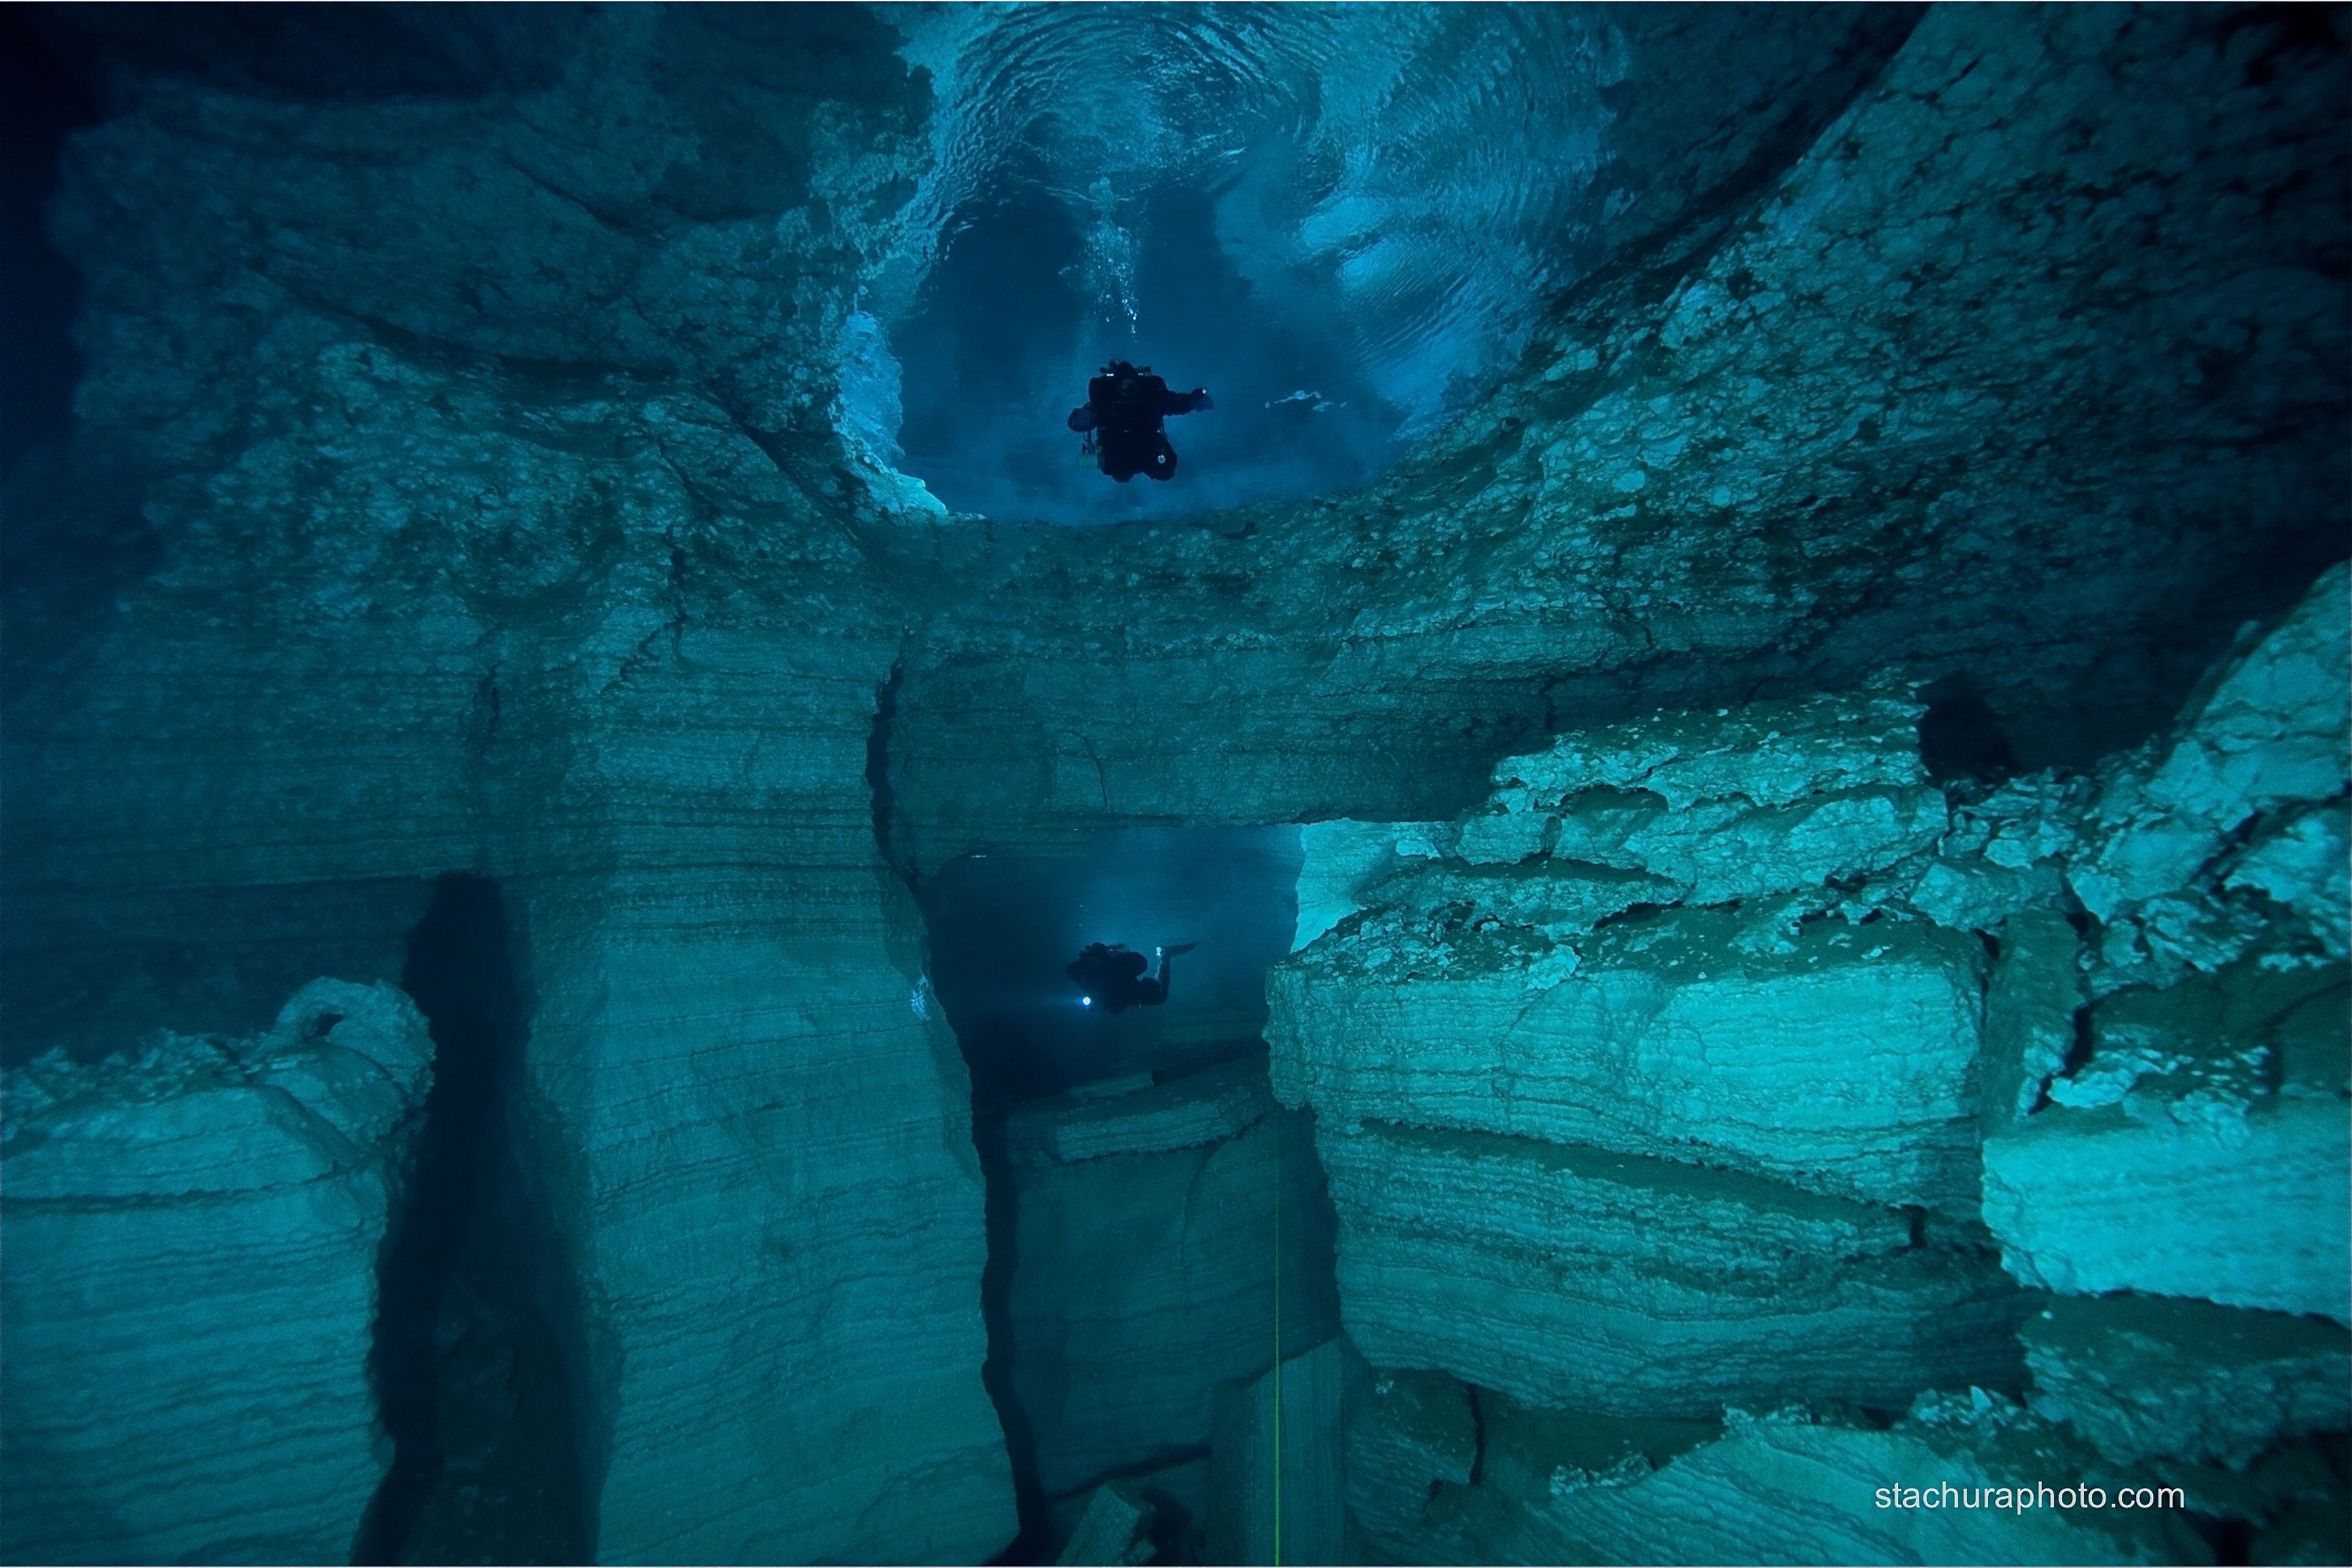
x=1341 y=219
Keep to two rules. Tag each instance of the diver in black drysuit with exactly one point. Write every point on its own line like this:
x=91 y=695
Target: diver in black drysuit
x=1124 y=407
x=1112 y=977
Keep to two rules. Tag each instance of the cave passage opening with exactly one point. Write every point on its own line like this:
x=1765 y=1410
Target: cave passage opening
x=1001 y=929
x=470 y=1376
x=1343 y=223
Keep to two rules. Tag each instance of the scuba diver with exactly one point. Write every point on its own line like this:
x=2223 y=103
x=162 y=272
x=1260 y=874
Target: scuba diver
x=1122 y=421
x=1112 y=976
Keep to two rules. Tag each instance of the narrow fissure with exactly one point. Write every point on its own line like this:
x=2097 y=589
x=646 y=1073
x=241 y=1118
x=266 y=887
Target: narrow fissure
x=471 y=1381
x=987 y=1120
x=989 y=1106
x=878 y=756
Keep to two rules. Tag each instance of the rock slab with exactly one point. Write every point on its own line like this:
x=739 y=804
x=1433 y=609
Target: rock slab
x=192 y=1237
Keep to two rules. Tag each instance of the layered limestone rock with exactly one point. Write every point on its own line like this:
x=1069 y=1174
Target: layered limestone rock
x=1664 y=1037
x=1966 y=1479
x=2036 y=990
x=473 y=415
x=2202 y=1147
x=1406 y=1433
x=1276 y=1487
x=1781 y=444
x=1565 y=1276
x=2157 y=1377
x=1641 y=1092
x=2257 y=752
x=192 y=1234
x=1146 y=1251
x=1136 y=1115
x=1655 y=1052
x=1536 y=999
x=481 y=427
x=2221 y=1148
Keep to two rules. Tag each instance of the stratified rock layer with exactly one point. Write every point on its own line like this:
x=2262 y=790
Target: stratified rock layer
x=2202 y=1147
x=2031 y=360
x=1792 y=1488
x=1622 y=1079
x=1641 y=1287
x=192 y=1237
x=487 y=457
x=1842 y=1065
x=1146 y=1263
x=2151 y=1376
x=489 y=513
x=1406 y=1432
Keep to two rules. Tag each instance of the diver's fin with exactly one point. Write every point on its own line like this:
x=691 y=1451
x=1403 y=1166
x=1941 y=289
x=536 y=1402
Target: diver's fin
x=1181 y=947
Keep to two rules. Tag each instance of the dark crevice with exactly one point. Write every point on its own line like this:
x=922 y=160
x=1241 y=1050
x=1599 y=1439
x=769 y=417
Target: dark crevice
x=45 y=101
x=1478 y=1434
x=877 y=755
x=1960 y=737
x=2078 y=1051
x=1031 y=1544
x=470 y=1380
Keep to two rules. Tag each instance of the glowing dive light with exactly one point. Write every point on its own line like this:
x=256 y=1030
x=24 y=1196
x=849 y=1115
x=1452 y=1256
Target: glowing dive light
x=1086 y=1000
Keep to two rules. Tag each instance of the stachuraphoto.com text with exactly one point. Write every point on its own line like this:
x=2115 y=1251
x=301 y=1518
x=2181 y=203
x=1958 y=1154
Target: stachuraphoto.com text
x=2024 y=1499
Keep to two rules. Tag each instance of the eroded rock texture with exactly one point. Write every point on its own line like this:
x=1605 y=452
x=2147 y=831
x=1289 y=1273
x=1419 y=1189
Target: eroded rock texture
x=2024 y=364
x=1145 y=1262
x=191 y=1234
x=459 y=483
x=480 y=428
x=1501 y=1040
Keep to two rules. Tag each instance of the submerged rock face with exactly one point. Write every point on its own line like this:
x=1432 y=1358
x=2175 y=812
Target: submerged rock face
x=485 y=450
x=2204 y=1146
x=1562 y=1275
x=1668 y=1151
x=192 y=1234
x=1798 y=437
x=2155 y=1376
x=1790 y=1487
x=1146 y=1251
x=1667 y=1085
x=473 y=415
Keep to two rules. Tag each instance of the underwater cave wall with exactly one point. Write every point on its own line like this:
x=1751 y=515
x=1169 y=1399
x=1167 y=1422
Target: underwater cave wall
x=1730 y=1123
x=2030 y=368
x=481 y=420
x=476 y=410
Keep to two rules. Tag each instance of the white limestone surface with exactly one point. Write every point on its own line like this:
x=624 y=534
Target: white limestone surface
x=1738 y=803
x=192 y=1237
x=783 y=1239
x=1338 y=859
x=1844 y=1065
x=1642 y=1287
x=2204 y=1149
x=2267 y=729
x=2245 y=1206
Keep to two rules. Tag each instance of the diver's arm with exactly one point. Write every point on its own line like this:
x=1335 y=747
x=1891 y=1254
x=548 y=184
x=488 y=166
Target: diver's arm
x=1191 y=402
x=1082 y=417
